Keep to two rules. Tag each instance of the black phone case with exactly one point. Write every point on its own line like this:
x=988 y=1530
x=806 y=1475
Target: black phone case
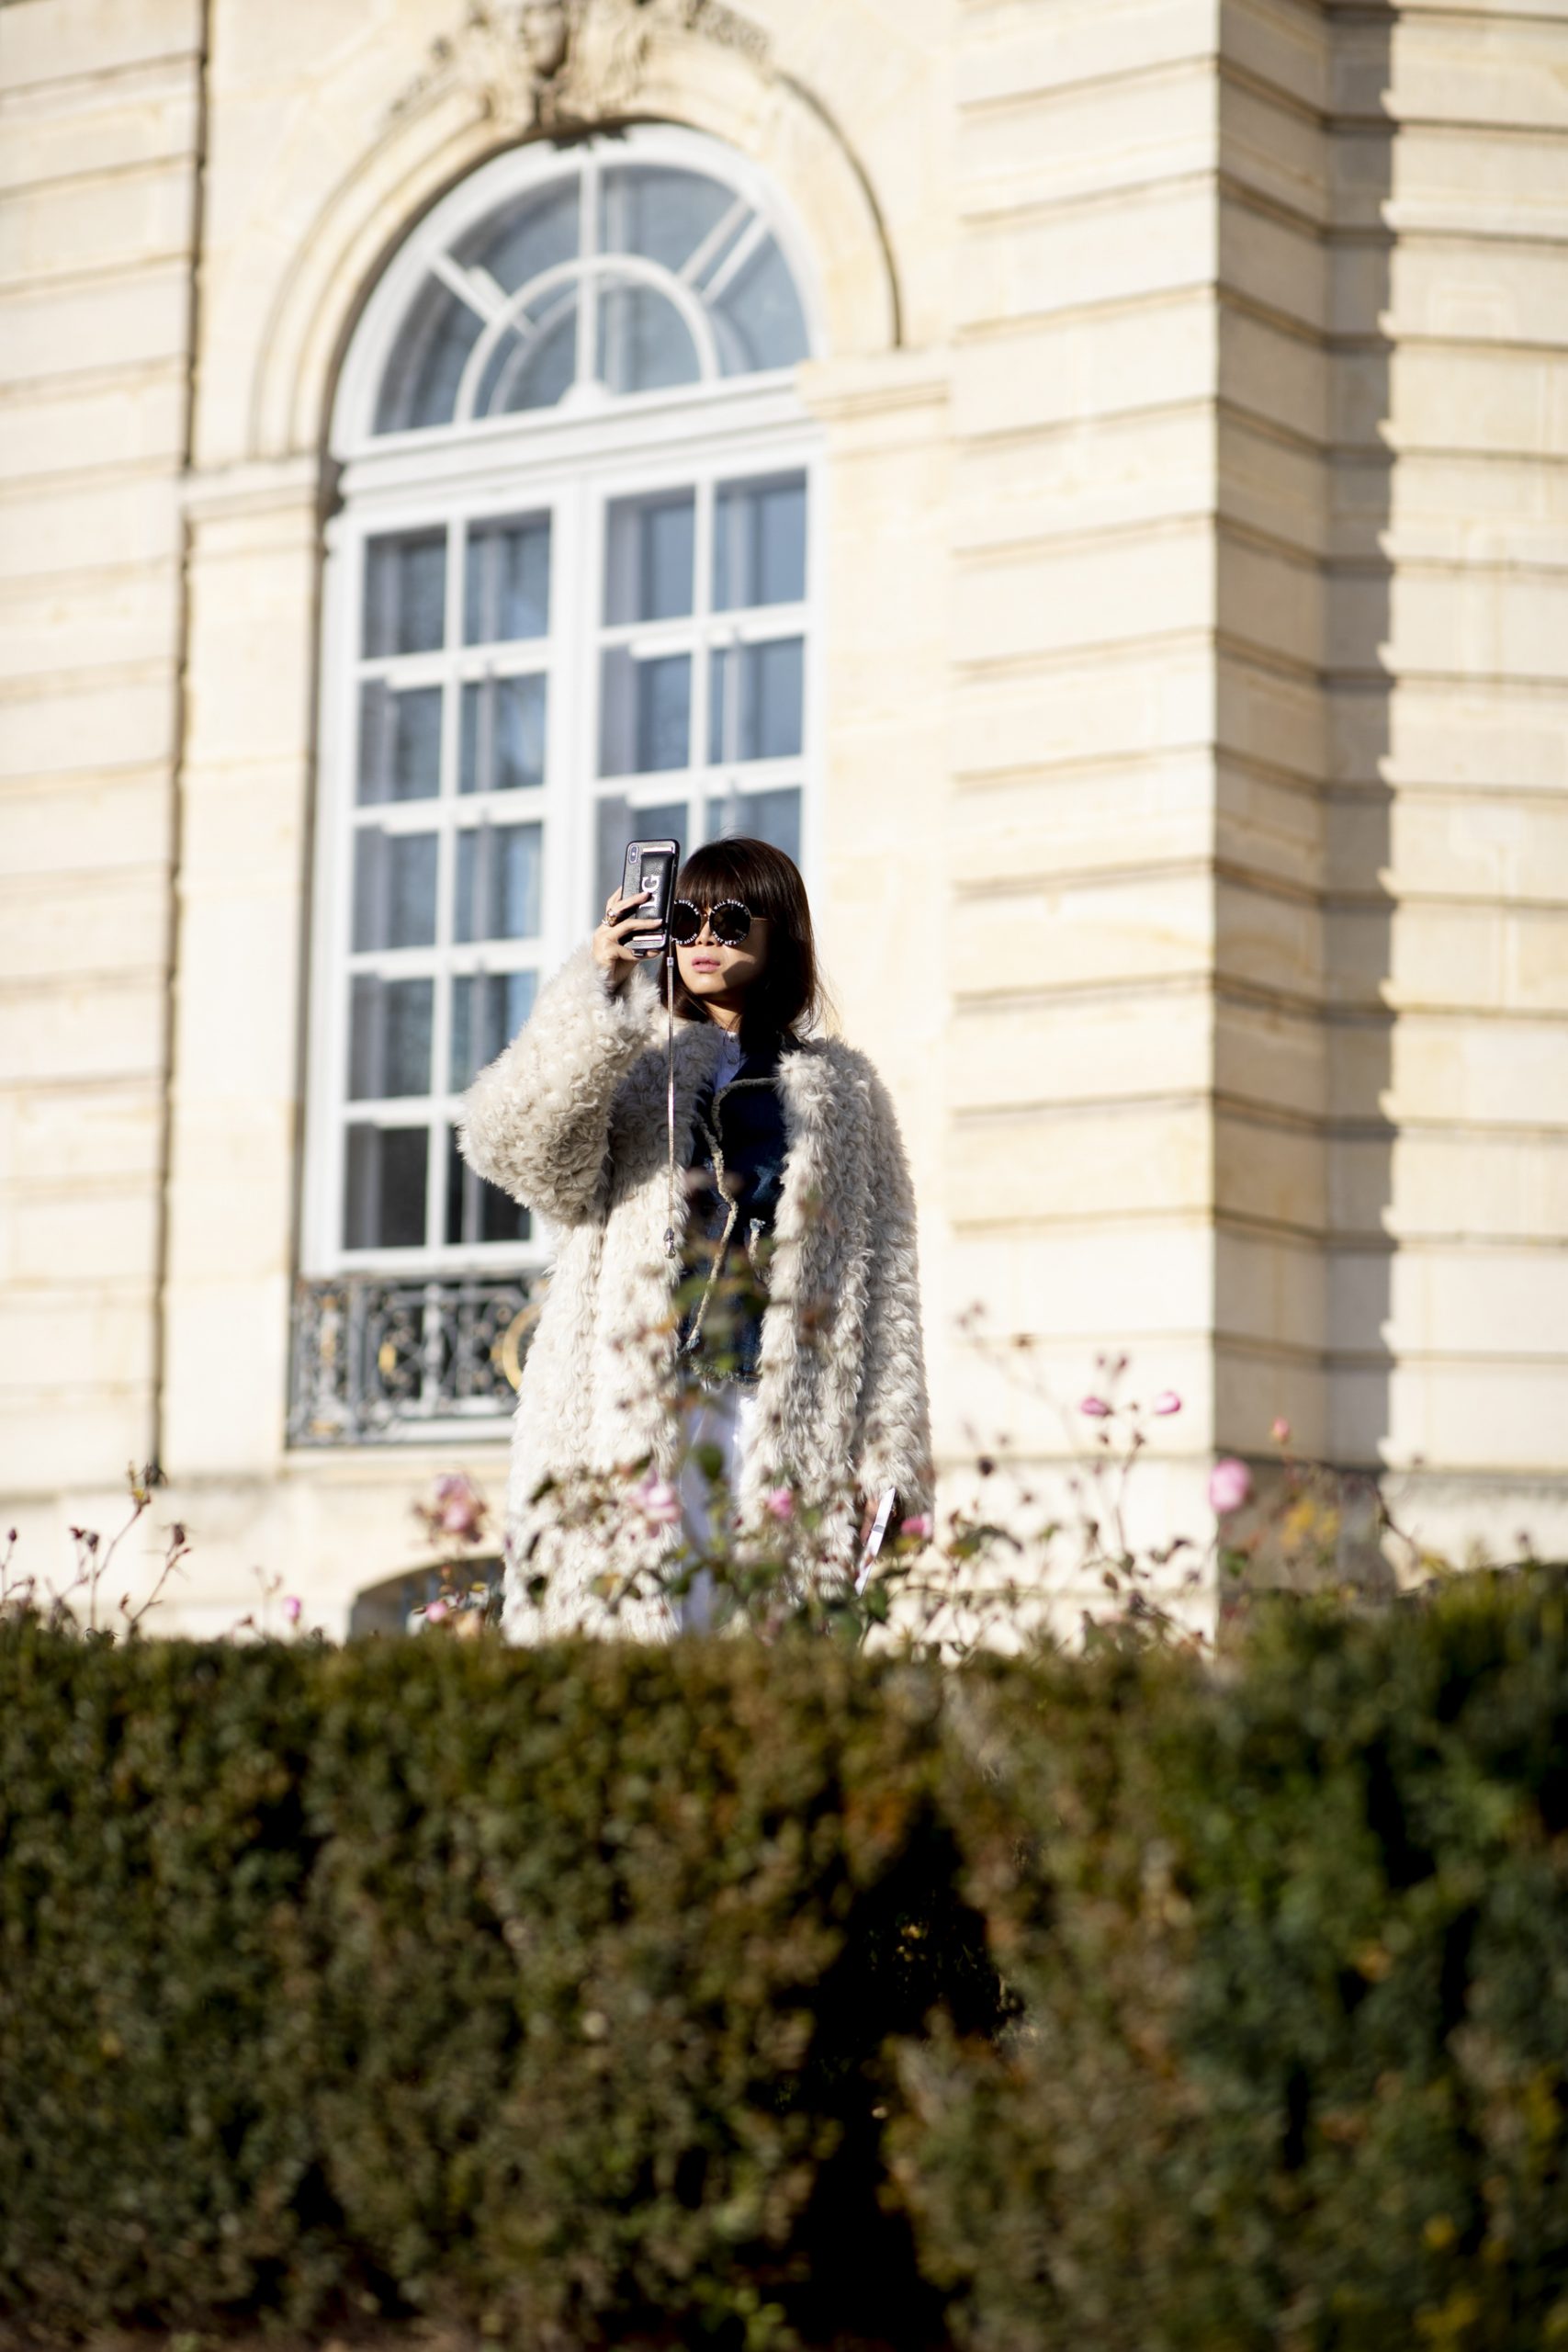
x=651 y=865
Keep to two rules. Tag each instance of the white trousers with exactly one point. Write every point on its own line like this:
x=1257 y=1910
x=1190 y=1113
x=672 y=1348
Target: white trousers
x=724 y=1418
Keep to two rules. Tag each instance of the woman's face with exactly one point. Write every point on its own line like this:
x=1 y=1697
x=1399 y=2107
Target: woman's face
x=718 y=975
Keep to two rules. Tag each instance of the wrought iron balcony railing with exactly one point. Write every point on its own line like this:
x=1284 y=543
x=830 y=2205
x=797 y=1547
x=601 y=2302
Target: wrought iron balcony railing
x=373 y=1358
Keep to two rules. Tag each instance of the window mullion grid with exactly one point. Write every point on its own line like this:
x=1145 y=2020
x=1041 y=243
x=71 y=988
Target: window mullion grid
x=762 y=623
x=588 y=283
x=599 y=635
x=699 y=265
x=735 y=260
x=813 y=656
x=701 y=748
x=734 y=637
x=405 y=670
x=363 y=818
x=572 y=753
x=650 y=787
x=488 y=586
x=350 y=558
x=484 y=734
x=446 y=886
x=523 y=657
x=601 y=638
x=645 y=639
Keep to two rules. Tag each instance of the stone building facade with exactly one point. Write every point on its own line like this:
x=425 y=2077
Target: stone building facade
x=1180 y=389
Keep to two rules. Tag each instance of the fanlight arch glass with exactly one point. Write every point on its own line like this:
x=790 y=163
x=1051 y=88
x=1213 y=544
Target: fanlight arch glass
x=613 y=277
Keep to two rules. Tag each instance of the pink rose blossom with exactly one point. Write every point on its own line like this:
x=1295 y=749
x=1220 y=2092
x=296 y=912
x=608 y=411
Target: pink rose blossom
x=659 y=1504
x=458 y=1509
x=1280 y=1431
x=1230 y=1484
x=779 y=1502
x=1168 y=1401
x=1096 y=1407
x=292 y=1608
x=918 y=1524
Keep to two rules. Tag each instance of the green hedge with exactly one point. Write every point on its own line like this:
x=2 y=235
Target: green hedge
x=605 y=1993
x=1292 y=1944
x=544 y=1990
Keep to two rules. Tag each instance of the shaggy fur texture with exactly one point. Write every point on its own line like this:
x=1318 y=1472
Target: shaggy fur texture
x=571 y=1121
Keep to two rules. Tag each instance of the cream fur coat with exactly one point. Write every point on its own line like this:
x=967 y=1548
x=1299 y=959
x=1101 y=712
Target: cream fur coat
x=571 y=1121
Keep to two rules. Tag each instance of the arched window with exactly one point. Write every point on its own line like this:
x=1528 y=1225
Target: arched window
x=568 y=600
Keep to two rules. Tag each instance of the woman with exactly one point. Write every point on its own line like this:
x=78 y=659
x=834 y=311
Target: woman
x=770 y=1305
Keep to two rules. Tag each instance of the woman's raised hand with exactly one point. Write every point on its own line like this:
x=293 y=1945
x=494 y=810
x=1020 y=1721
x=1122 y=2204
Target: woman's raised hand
x=612 y=941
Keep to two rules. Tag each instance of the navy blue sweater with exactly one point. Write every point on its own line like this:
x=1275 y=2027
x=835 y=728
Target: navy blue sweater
x=734 y=1180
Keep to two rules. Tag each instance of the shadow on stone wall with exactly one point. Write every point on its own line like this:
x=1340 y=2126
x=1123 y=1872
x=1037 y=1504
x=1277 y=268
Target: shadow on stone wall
x=1360 y=903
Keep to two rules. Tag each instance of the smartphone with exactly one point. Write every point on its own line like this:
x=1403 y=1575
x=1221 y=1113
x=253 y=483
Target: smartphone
x=651 y=865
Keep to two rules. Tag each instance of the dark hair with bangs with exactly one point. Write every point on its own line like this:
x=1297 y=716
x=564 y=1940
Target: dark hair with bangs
x=787 y=996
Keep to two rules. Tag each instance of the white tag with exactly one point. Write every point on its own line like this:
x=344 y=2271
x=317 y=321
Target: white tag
x=874 y=1540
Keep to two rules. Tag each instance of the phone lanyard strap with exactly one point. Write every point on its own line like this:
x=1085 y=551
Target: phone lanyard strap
x=670 y=1088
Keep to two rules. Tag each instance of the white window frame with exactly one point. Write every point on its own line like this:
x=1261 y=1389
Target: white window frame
x=569 y=462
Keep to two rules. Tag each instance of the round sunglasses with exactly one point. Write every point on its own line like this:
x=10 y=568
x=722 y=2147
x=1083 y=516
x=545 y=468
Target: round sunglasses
x=729 y=922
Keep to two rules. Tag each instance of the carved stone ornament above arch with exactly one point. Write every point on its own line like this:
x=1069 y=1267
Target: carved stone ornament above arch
x=516 y=69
